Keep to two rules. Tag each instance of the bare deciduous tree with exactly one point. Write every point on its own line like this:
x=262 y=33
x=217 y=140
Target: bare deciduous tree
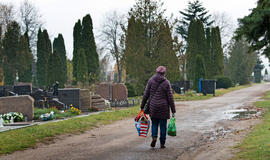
x=30 y=20
x=103 y=63
x=226 y=25
x=111 y=36
x=7 y=15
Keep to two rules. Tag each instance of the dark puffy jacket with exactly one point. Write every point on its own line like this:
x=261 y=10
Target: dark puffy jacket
x=162 y=101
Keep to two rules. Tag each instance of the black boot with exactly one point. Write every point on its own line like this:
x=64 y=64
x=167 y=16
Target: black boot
x=154 y=141
x=162 y=145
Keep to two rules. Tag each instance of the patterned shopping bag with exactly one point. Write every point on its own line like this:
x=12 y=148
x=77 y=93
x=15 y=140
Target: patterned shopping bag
x=142 y=124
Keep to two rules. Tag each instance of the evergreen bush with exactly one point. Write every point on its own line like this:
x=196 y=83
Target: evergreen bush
x=223 y=82
x=131 y=90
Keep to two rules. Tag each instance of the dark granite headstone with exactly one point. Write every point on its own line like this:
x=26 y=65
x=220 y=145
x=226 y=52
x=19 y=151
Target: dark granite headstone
x=38 y=94
x=2 y=93
x=208 y=87
x=5 y=91
x=69 y=96
x=8 y=88
x=22 y=89
x=176 y=86
x=176 y=89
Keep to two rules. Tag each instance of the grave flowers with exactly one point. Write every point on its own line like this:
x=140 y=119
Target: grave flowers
x=74 y=110
x=47 y=116
x=12 y=117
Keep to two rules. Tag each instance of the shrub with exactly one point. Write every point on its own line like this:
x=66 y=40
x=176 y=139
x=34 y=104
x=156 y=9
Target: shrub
x=131 y=90
x=223 y=82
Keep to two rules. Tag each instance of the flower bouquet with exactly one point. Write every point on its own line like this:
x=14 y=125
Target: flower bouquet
x=12 y=117
x=7 y=117
x=47 y=116
x=18 y=117
x=74 y=110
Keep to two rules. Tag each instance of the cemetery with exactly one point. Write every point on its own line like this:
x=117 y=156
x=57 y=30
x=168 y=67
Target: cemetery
x=73 y=78
x=23 y=105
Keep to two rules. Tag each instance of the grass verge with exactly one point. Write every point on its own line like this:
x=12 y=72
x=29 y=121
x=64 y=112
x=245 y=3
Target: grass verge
x=256 y=145
x=20 y=139
x=189 y=96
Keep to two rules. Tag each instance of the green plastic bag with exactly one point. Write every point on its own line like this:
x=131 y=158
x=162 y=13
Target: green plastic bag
x=172 y=127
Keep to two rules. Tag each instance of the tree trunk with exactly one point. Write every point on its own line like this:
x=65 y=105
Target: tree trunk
x=119 y=70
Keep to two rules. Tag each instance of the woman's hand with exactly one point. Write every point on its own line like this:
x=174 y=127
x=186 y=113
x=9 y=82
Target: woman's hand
x=173 y=115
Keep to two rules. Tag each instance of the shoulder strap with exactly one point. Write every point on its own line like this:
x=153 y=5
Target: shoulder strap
x=156 y=90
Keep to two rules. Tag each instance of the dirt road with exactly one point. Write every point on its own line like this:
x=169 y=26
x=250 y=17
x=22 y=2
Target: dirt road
x=199 y=126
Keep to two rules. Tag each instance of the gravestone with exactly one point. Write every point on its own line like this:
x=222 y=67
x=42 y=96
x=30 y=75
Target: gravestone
x=103 y=89
x=120 y=92
x=38 y=94
x=112 y=91
x=38 y=97
x=5 y=90
x=22 y=89
x=177 y=89
x=4 y=93
x=208 y=87
x=69 y=96
x=23 y=104
x=85 y=100
x=186 y=85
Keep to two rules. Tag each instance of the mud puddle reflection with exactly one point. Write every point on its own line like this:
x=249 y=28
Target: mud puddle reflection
x=243 y=113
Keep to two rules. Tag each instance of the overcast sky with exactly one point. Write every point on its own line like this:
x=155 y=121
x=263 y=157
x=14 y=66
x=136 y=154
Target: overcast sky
x=60 y=15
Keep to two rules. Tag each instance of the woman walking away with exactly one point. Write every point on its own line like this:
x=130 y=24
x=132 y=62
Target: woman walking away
x=158 y=92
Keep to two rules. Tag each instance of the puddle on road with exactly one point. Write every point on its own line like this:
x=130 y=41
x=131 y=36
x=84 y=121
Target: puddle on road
x=241 y=113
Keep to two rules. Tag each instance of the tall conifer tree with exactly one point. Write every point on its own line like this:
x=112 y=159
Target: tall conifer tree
x=207 y=57
x=59 y=48
x=54 y=69
x=77 y=44
x=241 y=62
x=148 y=44
x=44 y=51
x=256 y=27
x=41 y=62
x=166 y=54
x=135 y=61
x=215 y=61
x=199 y=72
x=26 y=59
x=82 y=71
x=195 y=10
x=196 y=45
x=89 y=45
x=10 y=52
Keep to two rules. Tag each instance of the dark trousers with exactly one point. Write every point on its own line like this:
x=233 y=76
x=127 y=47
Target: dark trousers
x=163 y=129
